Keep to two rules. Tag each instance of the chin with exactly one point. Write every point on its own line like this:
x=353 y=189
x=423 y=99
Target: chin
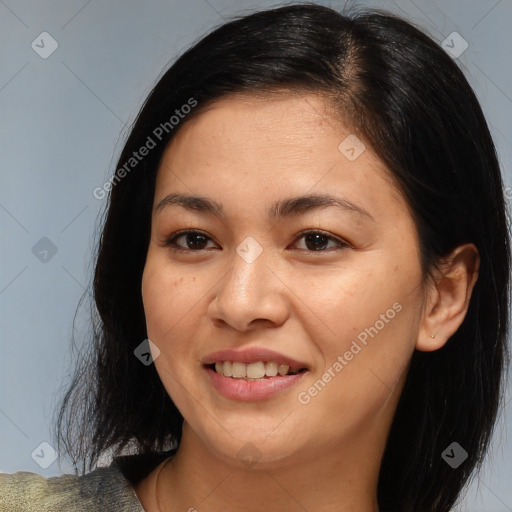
x=253 y=448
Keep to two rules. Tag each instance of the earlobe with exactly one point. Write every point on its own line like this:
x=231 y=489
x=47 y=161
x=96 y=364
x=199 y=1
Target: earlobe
x=448 y=296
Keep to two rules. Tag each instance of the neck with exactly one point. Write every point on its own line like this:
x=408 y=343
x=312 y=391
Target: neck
x=341 y=479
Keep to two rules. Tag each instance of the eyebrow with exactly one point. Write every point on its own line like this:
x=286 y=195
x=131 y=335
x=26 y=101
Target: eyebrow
x=279 y=209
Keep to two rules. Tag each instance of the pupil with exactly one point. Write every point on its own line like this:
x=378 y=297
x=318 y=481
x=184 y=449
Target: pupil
x=195 y=241
x=316 y=241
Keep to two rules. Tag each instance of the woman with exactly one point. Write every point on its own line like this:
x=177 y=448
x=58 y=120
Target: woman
x=307 y=221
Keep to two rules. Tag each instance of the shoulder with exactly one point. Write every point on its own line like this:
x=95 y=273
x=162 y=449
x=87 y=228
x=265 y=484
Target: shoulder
x=99 y=490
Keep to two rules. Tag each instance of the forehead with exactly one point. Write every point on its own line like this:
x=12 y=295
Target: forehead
x=270 y=119
x=272 y=142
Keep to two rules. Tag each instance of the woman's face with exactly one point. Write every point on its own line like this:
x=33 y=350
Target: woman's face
x=302 y=253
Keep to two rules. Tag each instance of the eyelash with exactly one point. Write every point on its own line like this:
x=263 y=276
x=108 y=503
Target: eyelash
x=171 y=241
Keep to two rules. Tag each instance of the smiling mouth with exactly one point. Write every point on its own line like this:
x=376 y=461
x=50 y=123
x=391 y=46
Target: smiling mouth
x=258 y=370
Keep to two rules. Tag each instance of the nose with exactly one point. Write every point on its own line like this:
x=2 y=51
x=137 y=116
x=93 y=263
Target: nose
x=250 y=295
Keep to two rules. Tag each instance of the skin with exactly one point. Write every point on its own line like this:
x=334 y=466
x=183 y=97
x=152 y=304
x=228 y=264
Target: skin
x=245 y=153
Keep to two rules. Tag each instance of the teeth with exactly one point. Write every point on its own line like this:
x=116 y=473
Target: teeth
x=253 y=371
x=239 y=370
x=283 y=369
x=227 y=369
x=271 y=369
x=256 y=370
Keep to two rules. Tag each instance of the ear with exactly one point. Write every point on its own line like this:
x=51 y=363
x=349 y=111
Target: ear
x=447 y=297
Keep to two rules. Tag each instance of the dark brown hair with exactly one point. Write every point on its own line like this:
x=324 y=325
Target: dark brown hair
x=398 y=90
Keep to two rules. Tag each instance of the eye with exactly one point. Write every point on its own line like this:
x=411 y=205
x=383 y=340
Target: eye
x=314 y=241
x=318 y=241
x=190 y=241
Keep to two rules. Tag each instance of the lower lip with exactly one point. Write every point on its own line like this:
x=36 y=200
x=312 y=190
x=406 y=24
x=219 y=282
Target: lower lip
x=247 y=390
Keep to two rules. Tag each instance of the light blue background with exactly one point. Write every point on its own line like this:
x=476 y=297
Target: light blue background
x=61 y=120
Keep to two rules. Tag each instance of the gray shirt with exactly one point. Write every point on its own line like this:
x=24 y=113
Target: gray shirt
x=102 y=490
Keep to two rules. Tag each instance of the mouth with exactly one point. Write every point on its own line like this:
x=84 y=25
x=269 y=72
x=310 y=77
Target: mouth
x=252 y=374
x=257 y=370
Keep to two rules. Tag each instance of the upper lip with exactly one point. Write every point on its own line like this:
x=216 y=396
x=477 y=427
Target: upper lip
x=252 y=355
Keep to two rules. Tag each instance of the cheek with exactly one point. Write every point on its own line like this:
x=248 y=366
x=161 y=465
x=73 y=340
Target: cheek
x=368 y=330
x=350 y=300
x=168 y=298
x=363 y=372
x=170 y=303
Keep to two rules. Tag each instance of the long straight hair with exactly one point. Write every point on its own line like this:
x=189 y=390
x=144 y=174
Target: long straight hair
x=399 y=91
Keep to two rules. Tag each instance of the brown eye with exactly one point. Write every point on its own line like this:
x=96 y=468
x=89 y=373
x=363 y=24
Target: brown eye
x=318 y=241
x=195 y=240
x=188 y=240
